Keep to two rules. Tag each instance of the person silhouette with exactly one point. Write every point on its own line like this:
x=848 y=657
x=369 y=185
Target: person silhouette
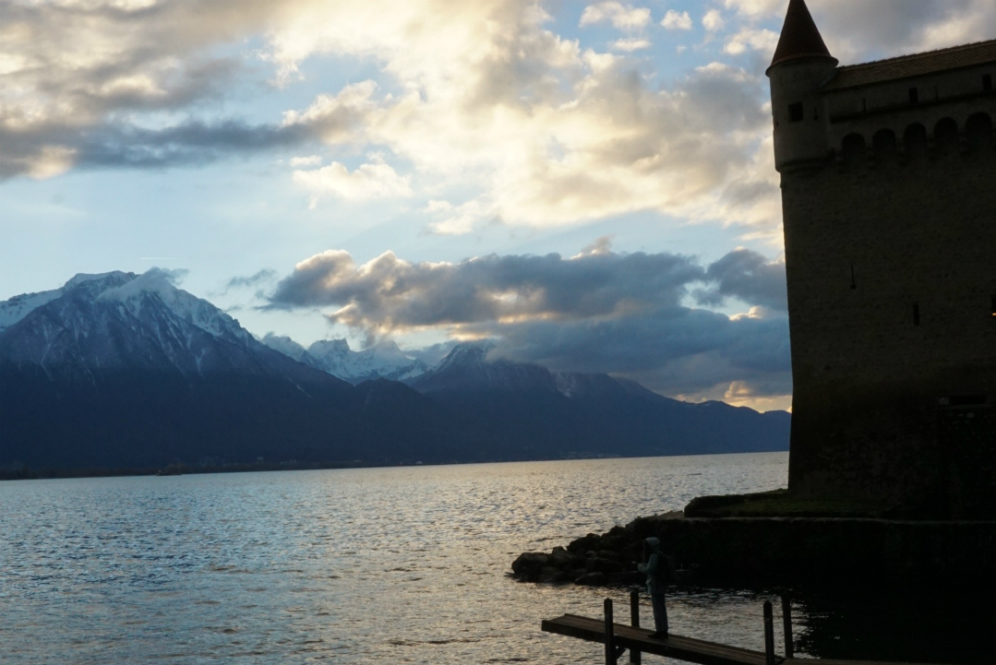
x=660 y=573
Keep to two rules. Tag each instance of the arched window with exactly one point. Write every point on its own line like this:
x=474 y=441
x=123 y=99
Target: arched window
x=946 y=136
x=853 y=149
x=915 y=141
x=979 y=133
x=884 y=145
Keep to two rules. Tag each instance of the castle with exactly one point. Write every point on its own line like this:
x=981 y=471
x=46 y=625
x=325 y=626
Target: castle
x=888 y=177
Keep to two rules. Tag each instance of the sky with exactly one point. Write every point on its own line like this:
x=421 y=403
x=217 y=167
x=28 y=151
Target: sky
x=588 y=184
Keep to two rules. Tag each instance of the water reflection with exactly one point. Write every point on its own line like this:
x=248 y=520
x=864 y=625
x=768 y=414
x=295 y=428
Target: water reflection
x=373 y=566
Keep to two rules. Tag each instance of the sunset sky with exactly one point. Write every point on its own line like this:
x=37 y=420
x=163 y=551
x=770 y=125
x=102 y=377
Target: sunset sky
x=591 y=185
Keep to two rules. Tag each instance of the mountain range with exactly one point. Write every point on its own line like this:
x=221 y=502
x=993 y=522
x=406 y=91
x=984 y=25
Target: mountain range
x=122 y=371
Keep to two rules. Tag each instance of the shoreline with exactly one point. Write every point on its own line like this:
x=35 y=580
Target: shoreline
x=765 y=553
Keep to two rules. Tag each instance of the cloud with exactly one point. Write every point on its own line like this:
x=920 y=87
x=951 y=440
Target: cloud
x=630 y=44
x=748 y=276
x=856 y=30
x=49 y=148
x=599 y=311
x=764 y=41
x=675 y=21
x=713 y=20
x=389 y=294
x=622 y=17
x=485 y=106
x=254 y=280
x=375 y=180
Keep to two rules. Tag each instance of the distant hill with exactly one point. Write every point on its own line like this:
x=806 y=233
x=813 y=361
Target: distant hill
x=125 y=371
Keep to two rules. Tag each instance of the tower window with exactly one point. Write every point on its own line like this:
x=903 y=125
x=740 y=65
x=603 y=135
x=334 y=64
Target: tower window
x=992 y=307
x=987 y=82
x=795 y=112
x=916 y=313
x=914 y=96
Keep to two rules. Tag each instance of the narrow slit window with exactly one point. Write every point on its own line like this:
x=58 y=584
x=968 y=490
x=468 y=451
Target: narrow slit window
x=992 y=307
x=987 y=83
x=914 y=96
x=916 y=313
x=796 y=112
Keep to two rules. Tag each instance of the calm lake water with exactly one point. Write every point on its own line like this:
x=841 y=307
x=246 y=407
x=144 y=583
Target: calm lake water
x=399 y=565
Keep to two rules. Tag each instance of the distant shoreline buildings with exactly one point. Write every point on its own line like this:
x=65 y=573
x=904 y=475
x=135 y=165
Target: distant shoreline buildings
x=888 y=176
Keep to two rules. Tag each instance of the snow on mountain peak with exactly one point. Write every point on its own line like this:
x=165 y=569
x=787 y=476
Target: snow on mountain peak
x=18 y=307
x=161 y=284
x=382 y=360
x=82 y=277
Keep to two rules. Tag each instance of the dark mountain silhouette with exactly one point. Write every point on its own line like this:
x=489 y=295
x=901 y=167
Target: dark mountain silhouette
x=530 y=409
x=124 y=371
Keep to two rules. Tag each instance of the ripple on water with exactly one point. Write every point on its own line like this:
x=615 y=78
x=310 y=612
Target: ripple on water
x=367 y=566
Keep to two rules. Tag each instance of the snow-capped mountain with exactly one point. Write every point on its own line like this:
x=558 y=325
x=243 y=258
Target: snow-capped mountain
x=384 y=360
x=122 y=320
x=15 y=309
x=125 y=371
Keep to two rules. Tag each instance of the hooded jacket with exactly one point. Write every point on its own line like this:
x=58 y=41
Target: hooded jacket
x=659 y=568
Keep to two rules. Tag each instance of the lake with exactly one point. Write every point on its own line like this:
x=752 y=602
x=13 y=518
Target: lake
x=374 y=566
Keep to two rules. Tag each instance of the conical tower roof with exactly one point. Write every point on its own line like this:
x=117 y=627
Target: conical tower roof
x=800 y=38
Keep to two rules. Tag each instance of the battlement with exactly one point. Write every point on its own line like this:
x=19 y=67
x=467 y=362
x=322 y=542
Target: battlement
x=900 y=144
x=926 y=104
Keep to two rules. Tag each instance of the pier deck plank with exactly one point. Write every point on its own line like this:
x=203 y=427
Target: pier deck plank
x=676 y=646
x=687 y=649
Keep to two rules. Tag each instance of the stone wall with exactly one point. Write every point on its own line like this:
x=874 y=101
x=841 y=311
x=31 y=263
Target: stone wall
x=891 y=266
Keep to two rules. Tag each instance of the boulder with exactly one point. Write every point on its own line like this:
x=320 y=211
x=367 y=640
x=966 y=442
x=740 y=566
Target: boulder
x=529 y=565
x=551 y=575
x=591 y=579
x=607 y=566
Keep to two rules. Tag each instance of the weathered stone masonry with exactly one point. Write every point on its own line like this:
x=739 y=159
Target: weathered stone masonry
x=888 y=176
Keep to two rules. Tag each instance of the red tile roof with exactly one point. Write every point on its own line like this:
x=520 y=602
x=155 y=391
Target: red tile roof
x=908 y=66
x=800 y=37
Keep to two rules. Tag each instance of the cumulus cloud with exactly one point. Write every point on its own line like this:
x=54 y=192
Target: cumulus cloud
x=486 y=99
x=764 y=41
x=675 y=21
x=713 y=20
x=375 y=180
x=623 y=17
x=599 y=311
x=630 y=44
x=748 y=276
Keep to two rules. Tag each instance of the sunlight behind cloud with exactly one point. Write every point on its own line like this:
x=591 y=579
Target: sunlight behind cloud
x=370 y=181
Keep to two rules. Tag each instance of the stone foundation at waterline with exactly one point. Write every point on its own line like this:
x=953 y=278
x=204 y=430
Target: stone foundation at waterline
x=769 y=552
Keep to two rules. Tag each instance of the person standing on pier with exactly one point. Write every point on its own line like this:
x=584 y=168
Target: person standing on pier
x=660 y=573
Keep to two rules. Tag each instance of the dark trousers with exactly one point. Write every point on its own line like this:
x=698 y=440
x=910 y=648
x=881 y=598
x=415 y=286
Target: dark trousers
x=660 y=612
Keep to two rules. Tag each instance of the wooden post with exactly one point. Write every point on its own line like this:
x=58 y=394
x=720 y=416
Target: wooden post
x=787 y=624
x=769 y=634
x=635 y=656
x=610 y=638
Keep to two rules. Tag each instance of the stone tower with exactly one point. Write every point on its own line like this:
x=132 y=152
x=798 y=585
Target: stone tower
x=888 y=177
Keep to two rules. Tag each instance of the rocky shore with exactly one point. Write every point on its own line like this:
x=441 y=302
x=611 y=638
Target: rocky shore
x=771 y=552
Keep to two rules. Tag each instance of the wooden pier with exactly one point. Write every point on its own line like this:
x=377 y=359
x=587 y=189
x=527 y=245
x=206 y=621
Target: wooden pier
x=619 y=638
